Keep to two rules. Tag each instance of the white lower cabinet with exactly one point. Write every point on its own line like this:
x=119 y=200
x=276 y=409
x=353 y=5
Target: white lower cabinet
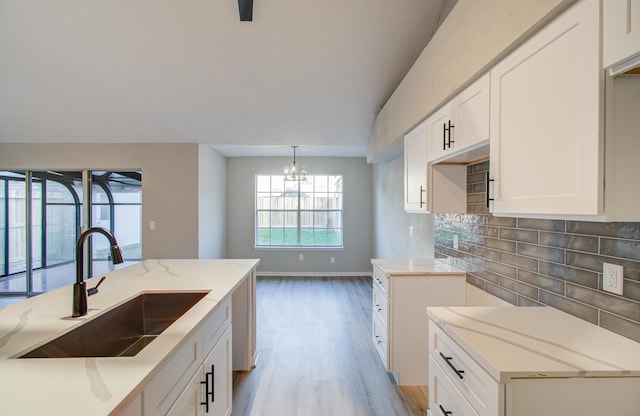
x=217 y=366
x=209 y=390
x=196 y=380
x=460 y=380
x=459 y=385
x=399 y=304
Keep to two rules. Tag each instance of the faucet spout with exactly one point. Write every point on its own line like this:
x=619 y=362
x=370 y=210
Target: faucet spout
x=80 y=306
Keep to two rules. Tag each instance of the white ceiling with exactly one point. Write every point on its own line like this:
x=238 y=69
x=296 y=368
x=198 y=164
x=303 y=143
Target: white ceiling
x=308 y=72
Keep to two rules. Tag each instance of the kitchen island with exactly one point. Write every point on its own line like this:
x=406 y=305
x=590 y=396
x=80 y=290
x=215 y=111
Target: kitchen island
x=116 y=385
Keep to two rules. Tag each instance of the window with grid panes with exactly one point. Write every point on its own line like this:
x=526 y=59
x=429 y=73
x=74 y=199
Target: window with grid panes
x=298 y=213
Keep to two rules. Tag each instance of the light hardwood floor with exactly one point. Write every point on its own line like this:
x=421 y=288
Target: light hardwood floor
x=315 y=355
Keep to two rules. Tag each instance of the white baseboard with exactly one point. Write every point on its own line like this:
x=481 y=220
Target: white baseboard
x=313 y=274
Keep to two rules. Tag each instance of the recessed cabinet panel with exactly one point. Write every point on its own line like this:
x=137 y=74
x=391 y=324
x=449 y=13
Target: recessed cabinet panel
x=471 y=111
x=188 y=404
x=546 y=141
x=443 y=394
x=439 y=129
x=621 y=31
x=218 y=368
x=415 y=170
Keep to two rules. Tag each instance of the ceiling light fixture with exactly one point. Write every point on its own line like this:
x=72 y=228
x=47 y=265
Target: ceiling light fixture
x=245 y=7
x=292 y=173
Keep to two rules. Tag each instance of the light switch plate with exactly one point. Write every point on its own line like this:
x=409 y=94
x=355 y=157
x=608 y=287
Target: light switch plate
x=612 y=278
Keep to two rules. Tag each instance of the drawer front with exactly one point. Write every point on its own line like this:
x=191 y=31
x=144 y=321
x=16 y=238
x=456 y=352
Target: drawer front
x=168 y=383
x=475 y=384
x=216 y=323
x=381 y=342
x=444 y=397
x=381 y=281
x=380 y=308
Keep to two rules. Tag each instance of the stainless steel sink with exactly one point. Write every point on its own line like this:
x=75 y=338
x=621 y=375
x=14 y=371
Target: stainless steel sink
x=123 y=331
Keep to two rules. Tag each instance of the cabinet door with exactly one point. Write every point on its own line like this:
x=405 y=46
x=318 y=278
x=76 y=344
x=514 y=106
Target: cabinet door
x=188 y=404
x=546 y=141
x=415 y=170
x=438 y=125
x=217 y=368
x=470 y=110
x=621 y=30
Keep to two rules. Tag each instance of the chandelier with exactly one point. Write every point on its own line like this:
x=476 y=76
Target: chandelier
x=292 y=172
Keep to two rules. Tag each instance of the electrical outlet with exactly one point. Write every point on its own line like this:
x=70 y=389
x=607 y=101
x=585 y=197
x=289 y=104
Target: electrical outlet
x=332 y=260
x=612 y=278
x=411 y=231
x=455 y=242
x=301 y=257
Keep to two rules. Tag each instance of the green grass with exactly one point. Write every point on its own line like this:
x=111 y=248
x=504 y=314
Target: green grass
x=289 y=237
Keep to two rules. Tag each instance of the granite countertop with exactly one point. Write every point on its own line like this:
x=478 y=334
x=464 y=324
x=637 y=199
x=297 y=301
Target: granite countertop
x=527 y=342
x=71 y=386
x=417 y=267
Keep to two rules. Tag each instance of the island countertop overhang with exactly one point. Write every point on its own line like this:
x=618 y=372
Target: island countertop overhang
x=72 y=385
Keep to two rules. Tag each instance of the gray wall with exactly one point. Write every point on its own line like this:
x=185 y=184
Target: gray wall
x=212 y=203
x=391 y=222
x=355 y=258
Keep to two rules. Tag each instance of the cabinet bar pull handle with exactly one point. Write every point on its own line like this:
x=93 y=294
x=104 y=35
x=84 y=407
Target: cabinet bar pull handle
x=459 y=373
x=450 y=131
x=489 y=180
x=205 y=403
x=444 y=136
x=421 y=191
x=444 y=412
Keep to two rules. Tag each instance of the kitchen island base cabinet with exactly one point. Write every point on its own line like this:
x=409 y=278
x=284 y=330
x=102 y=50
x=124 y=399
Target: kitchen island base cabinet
x=213 y=398
x=183 y=381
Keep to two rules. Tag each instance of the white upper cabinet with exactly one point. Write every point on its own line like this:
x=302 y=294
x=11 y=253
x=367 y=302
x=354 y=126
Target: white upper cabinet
x=621 y=34
x=428 y=188
x=546 y=120
x=439 y=124
x=462 y=124
x=415 y=170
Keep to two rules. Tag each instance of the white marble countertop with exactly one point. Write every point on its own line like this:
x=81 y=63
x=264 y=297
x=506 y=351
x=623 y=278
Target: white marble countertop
x=530 y=342
x=71 y=386
x=416 y=267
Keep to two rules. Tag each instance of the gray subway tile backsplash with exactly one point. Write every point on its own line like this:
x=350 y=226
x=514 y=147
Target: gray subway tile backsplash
x=546 y=253
x=570 y=274
x=630 y=230
x=519 y=235
x=575 y=242
x=557 y=263
x=629 y=249
x=546 y=225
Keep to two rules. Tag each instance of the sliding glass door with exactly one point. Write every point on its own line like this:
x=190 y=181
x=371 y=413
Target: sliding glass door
x=41 y=216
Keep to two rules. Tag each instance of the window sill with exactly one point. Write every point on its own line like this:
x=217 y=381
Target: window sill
x=296 y=248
